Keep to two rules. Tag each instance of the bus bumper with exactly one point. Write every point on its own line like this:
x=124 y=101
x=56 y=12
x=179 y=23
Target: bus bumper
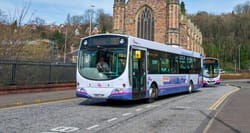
x=217 y=82
x=121 y=96
x=114 y=95
x=82 y=94
x=211 y=82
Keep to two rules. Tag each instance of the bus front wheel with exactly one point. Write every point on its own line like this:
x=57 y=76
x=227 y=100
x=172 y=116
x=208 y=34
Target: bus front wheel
x=153 y=93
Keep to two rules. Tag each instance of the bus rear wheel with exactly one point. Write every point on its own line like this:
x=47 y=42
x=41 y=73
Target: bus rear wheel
x=153 y=93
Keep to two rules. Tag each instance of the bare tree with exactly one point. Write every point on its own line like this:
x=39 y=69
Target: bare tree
x=242 y=8
x=13 y=36
x=2 y=17
x=38 y=21
x=22 y=13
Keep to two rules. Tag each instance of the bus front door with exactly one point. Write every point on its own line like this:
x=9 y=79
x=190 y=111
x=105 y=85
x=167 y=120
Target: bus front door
x=139 y=73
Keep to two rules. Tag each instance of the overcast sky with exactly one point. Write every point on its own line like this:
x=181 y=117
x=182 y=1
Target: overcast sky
x=55 y=11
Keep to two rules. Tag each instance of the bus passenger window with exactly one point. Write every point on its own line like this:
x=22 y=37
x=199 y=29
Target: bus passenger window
x=165 y=65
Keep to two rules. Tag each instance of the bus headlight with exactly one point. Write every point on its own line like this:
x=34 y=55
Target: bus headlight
x=81 y=90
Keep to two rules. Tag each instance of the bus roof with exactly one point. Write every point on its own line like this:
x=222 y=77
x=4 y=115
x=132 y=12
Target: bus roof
x=143 y=43
x=162 y=47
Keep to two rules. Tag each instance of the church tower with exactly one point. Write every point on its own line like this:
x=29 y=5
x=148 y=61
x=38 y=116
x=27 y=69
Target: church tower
x=156 y=20
x=173 y=22
x=119 y=16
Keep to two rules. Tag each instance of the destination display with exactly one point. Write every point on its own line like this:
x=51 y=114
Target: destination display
x=210 y=61
x=108 y=40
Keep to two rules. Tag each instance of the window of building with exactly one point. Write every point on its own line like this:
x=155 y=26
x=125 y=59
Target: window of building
x=145 y=24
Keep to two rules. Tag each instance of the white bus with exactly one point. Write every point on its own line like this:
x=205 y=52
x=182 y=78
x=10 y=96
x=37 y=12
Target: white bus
x=211 y=71
x=138 y=68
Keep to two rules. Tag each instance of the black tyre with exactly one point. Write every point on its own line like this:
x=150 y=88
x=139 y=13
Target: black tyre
x=153 y=93
x=191 y=87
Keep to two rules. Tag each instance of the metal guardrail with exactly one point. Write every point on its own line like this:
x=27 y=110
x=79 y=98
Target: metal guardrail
x=26 y=72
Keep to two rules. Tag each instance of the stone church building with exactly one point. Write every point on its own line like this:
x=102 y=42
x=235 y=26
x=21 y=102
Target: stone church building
x=156 y=20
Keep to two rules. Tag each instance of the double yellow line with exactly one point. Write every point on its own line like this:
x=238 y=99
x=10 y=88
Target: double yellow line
x=219 y=101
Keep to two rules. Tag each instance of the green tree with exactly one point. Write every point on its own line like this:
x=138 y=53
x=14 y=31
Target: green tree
x=183 y=8
x=104 y=21
x=227 y=36
x=59 y=39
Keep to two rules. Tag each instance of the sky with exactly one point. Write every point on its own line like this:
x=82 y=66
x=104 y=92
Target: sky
x=55 y=11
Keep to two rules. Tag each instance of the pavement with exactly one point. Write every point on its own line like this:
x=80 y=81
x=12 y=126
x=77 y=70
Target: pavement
x=12 y=100
x=233 y=116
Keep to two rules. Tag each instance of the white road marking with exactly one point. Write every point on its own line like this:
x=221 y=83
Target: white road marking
x=113 y=119
x=48 y=132
x=156 y=105
x=137 y=110
x=148 y=106
x=126 y=114
x=182 y=107
x=64 y=129
x=95 y=126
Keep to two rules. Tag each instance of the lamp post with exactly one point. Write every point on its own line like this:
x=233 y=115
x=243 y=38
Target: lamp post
x=91 y=12
x=239 y=58
x=65 y=45
x=235 y=65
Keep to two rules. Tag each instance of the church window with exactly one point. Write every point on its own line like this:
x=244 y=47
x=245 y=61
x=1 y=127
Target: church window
x=145 y=24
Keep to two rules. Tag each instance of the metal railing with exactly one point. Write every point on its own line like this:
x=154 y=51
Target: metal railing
x=26 y=72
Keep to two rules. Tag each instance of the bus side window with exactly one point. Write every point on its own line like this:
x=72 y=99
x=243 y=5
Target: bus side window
x=165 y=66
x=174 y=64
x=153 y=62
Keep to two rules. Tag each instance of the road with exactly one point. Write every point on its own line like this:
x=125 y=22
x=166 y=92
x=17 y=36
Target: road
x=180 y=113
